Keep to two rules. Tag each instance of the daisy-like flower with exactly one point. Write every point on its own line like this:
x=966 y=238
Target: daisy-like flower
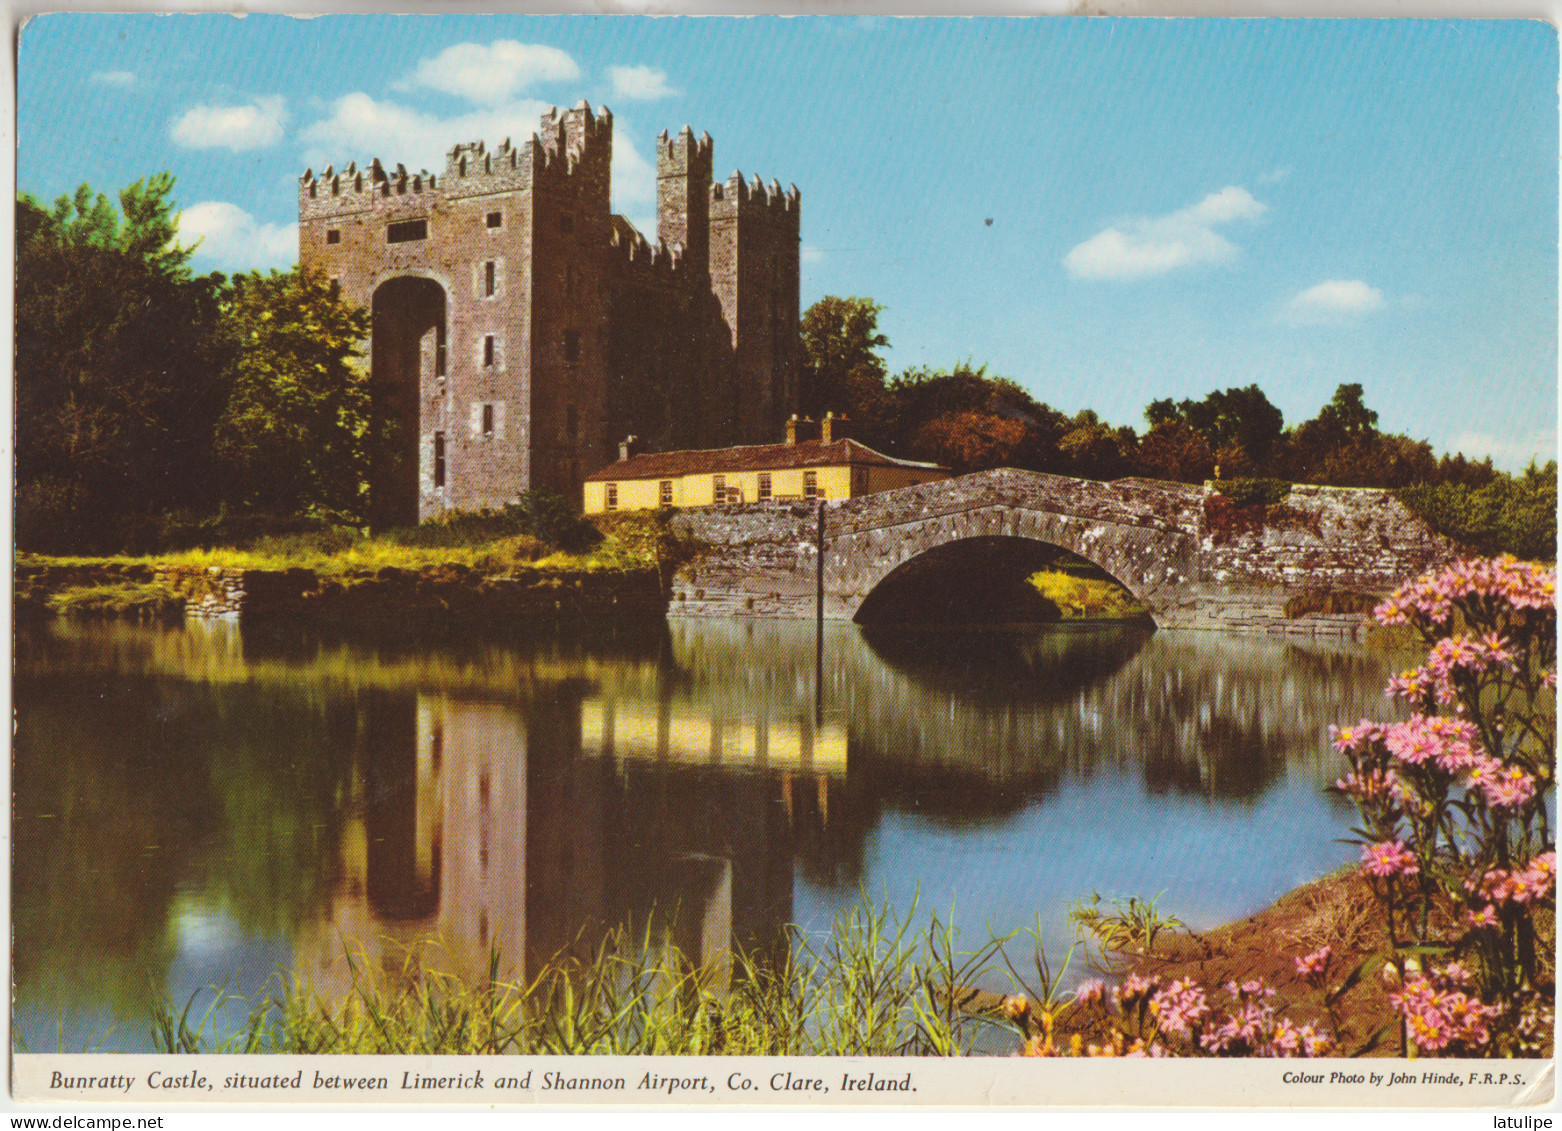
x=1389 y=858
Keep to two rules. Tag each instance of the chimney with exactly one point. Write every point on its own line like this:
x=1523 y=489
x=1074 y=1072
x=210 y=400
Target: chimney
x=629 y=447
x=835 y=427
x=800 y=429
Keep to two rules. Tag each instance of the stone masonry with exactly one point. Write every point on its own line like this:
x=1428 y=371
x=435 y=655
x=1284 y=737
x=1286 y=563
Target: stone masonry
x=1154 y=537
x=520 y=329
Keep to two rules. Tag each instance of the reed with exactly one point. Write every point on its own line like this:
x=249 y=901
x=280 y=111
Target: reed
x=873 y=986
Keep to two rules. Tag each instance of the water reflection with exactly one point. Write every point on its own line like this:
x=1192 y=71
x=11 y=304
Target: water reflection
x=198 y=802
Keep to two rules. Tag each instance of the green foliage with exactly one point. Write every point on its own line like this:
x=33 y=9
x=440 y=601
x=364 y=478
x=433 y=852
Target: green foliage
x=121 y=371
x=1510 y=514
x=1242 y=419
x=551 y=517
x=841 y=370
x=1129 y=927
x=1255 y=492
x=292 y=439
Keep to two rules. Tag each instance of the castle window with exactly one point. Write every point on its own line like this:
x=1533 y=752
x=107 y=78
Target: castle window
x=333 y=235
x=488 y=350
x=336 y=186
x=572 y=422
x=764 y=486
x=439 y=351
x=718 y=489
x=488 y=420
x=405 y=231
x=811 y=485
x=667 y=492
x=496 y=219
x=612 y=496
x=461 y=167
x=566 y=223
x=488 y=278
x=439 y=460
x=571 y=345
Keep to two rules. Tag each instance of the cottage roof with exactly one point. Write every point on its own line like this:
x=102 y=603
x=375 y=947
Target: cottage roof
x=753 y=457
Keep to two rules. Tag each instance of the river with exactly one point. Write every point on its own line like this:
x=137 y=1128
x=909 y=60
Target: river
x=204 y=805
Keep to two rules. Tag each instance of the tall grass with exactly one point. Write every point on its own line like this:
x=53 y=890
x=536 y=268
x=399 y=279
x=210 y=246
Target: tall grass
x=872 y=986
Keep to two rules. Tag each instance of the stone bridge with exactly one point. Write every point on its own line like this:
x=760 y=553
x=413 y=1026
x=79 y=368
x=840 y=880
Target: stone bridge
x=1308 y=564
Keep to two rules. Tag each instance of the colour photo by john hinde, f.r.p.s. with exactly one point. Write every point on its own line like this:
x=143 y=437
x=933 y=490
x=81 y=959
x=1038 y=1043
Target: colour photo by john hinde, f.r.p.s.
x=644 y=553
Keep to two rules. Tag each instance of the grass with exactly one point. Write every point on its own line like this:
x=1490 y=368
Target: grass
x=874 y=986
x=1080 y=597
x=483 y=543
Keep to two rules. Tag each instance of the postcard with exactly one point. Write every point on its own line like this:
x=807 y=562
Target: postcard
x=834 y=561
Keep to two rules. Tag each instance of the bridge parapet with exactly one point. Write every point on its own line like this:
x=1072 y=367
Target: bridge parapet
x=1310 y=564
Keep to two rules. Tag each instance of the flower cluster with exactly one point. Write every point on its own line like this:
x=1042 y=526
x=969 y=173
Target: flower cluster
x=1391 y=858
x=1180 y=1007
x=1313 y=966
x=1518 y=885
x=1521 y=585
x=1440 y=1014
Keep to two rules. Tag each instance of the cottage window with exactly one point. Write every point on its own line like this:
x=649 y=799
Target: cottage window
x=612 y=496
x=764 y=486
x=667 y=492
x=718 y=489
x=810 y=485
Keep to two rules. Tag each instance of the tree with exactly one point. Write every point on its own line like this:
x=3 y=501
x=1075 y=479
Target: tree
x=119 y=371
x=1241 y=418
x=1173 y=450
x=1092 y=449
x=293 y=440
x=842 y=372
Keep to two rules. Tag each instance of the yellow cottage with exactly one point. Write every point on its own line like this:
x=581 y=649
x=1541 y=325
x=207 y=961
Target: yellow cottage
x=828 y=468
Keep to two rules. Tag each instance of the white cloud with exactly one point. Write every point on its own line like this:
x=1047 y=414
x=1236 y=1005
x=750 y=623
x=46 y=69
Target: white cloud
x=114 y=78
x=1154 y=245
x=492 y=74
x=634 y=187
x=1506 y=452
x=1335 y=298
x=231 y=239
x=360 y=128
x=639 y=84
x=238 y=128
x=1276 y=176
x=811 y=254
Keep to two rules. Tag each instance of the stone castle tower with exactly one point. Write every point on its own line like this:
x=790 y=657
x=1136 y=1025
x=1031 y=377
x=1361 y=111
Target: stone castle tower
x=520 y=329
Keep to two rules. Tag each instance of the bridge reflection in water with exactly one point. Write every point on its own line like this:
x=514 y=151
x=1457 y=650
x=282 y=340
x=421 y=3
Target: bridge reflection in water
x=525 y=797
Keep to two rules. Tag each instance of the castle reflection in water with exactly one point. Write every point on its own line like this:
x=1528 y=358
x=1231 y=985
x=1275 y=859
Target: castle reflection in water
x=306 y=797
x=478 y=825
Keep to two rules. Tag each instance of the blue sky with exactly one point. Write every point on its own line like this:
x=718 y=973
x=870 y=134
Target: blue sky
x=1108 y=211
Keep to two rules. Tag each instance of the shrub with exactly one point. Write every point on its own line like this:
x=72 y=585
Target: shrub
x=1455 y=835
x=1510 y=514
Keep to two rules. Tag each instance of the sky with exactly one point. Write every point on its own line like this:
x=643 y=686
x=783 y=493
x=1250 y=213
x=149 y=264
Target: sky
x=1107 y=211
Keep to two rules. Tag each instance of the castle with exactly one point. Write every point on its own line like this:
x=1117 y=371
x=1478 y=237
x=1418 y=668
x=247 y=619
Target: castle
x=520 y=328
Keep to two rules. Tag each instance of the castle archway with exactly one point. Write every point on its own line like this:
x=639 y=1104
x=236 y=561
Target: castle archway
x=406 y=355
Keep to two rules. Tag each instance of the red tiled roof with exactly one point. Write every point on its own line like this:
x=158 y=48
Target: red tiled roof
x=755 y=457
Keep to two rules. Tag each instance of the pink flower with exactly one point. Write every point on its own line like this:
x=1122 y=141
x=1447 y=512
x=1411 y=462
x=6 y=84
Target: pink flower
x=1314 y=964
x=1388 y=859
x=1090 y=992
x=1180 y=1007
x=1481 y=920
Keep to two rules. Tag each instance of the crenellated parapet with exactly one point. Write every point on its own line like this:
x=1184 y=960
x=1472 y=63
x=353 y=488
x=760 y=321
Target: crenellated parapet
x=738 y=198
x=352 y=190
x=636 y=259
x=572 y=149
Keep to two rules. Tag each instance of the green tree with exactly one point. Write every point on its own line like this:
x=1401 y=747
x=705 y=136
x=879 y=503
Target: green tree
x=842 y=370
x=119 y=371
x=293 y=440
x=1236 y=418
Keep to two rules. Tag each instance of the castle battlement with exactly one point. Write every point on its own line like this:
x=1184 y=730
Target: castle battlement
x=739 y=197
x=683 y=155
x=641 y=259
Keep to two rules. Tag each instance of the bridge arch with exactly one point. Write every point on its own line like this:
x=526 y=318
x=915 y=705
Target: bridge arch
x=1012 y=519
